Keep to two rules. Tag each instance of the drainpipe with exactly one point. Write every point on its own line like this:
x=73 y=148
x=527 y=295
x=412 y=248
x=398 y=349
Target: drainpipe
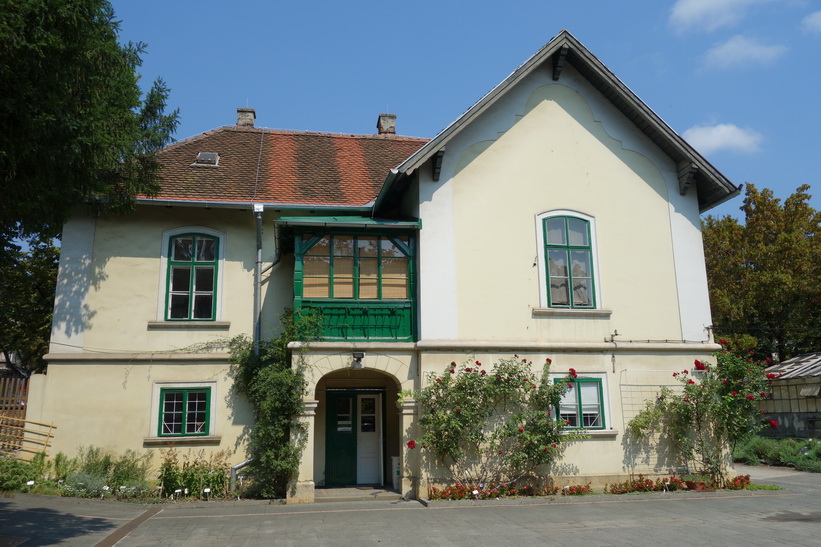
x=232 y=482
x=258 y=279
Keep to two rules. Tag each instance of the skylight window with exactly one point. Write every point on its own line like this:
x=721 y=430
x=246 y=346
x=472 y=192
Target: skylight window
x=207 y=159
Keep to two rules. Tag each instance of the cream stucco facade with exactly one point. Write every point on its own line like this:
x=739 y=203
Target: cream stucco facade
x=542 y=145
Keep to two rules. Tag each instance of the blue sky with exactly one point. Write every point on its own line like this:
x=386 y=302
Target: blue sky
x=739 y=79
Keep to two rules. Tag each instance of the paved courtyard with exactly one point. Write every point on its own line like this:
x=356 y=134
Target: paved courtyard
x=789 y=516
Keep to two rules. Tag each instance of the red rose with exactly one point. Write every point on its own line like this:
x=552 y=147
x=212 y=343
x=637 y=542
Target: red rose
x=684 y=371
x=548 y=361
x=573 y=373
x=751 y=396
x=722 y=341
x=691 y=382
x=521 y=430
x=468 y=370
x=773 y=423
x=553 y=445
x=458 y=409
x=763 y=394
x=483 y=373
x=501 y=452
x=544 y=449
x=734 y=393
x=452 y=371
x=699 y=365
x=411 y=444
x=771 y=376
x=478 y=363
x=439 y=380
x=453 y=363
x=569 y=385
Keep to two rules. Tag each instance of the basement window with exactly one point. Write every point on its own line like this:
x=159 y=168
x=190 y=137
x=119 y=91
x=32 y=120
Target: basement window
x=207 y=159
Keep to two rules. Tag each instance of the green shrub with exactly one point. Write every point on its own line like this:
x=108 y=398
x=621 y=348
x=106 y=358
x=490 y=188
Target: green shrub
x=14 y=474
x=804 y=455
x=87 y=485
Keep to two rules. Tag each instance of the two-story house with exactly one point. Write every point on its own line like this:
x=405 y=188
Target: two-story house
x=558 y=217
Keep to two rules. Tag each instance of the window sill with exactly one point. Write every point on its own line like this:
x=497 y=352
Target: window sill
x=201 y=325
x=176 y=441
x=567 y=312
x=595 y=433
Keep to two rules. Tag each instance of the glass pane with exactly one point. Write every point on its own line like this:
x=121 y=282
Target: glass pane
x=582 y=293
x=367 y=405
x=322 y=247
x=394 y=288
x=196 y=412
x=343 y=406
x=591 y=411
x=557 y=262
x=389 y=249
x=368 y=267
x=395 y=266
x=182 y=248
x=172 y=413
x=367 y=424
x=581 y=263
x=316 y=287
x=578 y=232
x=203 y=306
x=317 y=265
x=204 y=279
x=559 y=295
x=368 y=287
x=180 y=279
x=556 y=231
x=343 y=245
x=568 y=407
x=343 y=287
x=343 y=267
x=206 y=249
x=368 y=246
x=178 y=306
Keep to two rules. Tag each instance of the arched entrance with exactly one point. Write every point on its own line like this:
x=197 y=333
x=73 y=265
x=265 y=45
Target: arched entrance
x=356 y=428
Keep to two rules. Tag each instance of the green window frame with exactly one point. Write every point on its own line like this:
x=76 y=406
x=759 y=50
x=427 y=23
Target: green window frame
x=355 y=267
x=569 y=262
x=184 y=412
x=191 y=278
x=582 y=406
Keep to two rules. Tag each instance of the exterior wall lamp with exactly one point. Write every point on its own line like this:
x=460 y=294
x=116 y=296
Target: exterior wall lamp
x=357 y=359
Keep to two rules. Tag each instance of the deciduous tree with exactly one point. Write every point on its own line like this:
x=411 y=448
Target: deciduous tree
x=765 y=274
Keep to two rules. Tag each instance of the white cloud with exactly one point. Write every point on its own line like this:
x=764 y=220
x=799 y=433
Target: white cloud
x=710 y=14
x=812 y=22
x=739 y=50
x=724 y=136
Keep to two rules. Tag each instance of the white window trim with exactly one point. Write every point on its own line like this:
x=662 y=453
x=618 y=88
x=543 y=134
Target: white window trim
x=161 y=293
x=608 y=417
x=155 y=412
x=541 y=263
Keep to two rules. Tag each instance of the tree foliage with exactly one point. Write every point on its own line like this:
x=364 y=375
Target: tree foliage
x=73 y=125
x=26 y=302
x=494 y=424
x=765 y=275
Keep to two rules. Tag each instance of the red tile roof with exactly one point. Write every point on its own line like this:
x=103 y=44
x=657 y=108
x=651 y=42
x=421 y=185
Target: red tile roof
x=283 y=167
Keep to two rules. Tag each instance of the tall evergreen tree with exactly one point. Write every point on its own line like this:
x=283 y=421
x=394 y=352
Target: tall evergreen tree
x=74 y=128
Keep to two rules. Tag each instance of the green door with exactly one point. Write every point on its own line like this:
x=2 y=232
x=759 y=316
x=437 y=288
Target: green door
x=340 y=448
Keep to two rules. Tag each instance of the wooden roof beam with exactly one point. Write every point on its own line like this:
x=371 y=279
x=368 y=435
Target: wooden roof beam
x=687 y=171
x=437 y=163
x=559 y=58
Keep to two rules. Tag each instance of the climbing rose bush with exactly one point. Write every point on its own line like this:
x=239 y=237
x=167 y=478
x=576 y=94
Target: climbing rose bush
x=492 y=424
x=714 y=409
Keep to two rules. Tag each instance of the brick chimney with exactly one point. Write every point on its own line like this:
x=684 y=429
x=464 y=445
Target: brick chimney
x=386 y=124
x=246 y=117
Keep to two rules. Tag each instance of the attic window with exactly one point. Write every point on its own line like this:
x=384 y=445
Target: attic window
x=207 y=159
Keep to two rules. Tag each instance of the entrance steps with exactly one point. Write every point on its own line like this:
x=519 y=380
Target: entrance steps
x=355 y=493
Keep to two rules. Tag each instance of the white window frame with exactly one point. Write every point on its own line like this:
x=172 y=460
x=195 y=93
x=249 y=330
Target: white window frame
x=155 y=410
x=167 y=236
x=541 y=259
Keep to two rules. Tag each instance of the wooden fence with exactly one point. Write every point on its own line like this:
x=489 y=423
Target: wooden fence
x=20 y=437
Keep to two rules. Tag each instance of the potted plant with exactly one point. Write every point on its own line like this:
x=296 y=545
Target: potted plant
x=698 y=481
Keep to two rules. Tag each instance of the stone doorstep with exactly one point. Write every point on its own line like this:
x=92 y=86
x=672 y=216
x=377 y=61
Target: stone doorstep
x=355 y=493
